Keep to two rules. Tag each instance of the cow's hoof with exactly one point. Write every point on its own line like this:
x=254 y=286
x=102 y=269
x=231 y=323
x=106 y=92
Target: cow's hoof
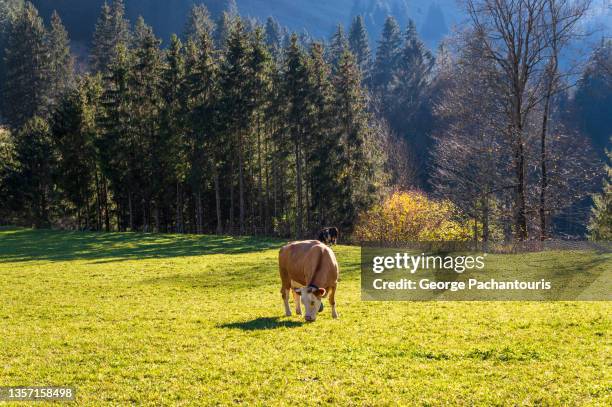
x=298 y=312
x=288 y=313
x=335 y=315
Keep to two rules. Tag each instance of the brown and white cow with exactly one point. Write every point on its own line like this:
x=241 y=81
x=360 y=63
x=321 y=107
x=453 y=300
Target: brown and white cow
x=309 y=269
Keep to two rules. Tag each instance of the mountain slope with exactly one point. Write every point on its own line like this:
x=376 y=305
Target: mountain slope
x=318 y=17
x=434 y=18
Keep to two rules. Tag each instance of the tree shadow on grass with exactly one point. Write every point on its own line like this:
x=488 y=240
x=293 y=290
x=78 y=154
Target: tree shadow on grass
x=28 y=244
x=262 y=323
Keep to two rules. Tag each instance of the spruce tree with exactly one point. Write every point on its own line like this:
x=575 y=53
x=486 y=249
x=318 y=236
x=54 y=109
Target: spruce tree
x=202 y=148
x=389 y=48
x=102 y=44
x=231 y=7
x=337 y=46
x=115 y=145
x=359 y=45
x=414 y=67
x=600 y=225
x=174 y=125
x=34 y=153
x=148 y=163
x=323 y=148
x=26 y=89
x=295 y=94
x=218 y=7
x=260 y=86
x=61 y=75
x=112 y=29
x=236 y=104
x=279 y=151
x=592 y=103
x=223 y=29
x=198 y=21
x=9 y=185
x=360 y=158
x=8 y=11
x=305 y=39
x=406 y=104
x=415 y=61
x=274 y=37
x=74 y=134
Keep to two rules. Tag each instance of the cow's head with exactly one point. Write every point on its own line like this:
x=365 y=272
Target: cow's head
x=324 y=236
x=311 y=298
x=333 y=235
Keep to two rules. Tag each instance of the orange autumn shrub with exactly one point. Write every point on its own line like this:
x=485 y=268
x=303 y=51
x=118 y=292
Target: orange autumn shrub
x=412 y=216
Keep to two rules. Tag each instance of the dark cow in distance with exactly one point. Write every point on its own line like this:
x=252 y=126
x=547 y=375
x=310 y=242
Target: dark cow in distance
x=309 y=269
x=328 y=236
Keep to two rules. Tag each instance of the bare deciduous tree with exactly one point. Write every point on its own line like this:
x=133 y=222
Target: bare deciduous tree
x=470 y=156
x=560 y=22
x=523 y=39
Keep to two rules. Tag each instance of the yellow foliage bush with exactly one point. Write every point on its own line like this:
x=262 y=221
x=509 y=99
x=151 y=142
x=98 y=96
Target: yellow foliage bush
x=412 y=216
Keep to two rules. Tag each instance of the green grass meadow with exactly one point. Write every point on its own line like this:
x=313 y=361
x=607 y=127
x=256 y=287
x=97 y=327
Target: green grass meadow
x=148 y=319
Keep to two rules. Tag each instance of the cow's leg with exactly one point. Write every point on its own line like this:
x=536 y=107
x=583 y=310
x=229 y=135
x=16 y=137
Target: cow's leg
x=332 y=302
x=298 y=306
x=285 y=287
x=285 y=295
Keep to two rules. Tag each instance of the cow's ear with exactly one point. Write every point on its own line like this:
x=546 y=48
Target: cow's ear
x=320 y=292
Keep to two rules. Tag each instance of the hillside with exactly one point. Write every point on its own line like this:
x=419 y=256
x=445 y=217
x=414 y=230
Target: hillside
x=318 y=17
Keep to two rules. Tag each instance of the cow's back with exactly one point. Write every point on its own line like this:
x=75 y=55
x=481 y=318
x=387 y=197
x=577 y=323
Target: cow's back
x=293 y=255
x=308 y=259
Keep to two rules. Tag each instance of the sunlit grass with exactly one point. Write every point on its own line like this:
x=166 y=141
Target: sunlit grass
x=161 y=319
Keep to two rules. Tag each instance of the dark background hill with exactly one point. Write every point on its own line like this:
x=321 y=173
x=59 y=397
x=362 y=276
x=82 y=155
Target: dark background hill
x=318 y=17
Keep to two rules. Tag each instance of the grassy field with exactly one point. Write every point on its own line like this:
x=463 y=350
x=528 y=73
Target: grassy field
x=197 y=320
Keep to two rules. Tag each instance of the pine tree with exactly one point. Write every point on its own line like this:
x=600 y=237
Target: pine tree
x=592 y=103
x=359 y=45
x=295 y=83
x=202 y=146
x=323 y=148
x=8 y=171
x=415 y=59
x=600 y=225
x=231 y=7
x=174 y=124
x=274 y=37
x=414 y=67
x=360 y=158
x=27 y=83
x=223 y=29
x=148 y=162
x=236 y=104
x=34 y=153
x=102 y=44
x=389 y=48
x=337 y=46
x=198 y=21
x=74 y=133
x=112 y=29
x=261 y=67
x=115 y=145
x=60 y=60
x=9 y=9
x=279 y=152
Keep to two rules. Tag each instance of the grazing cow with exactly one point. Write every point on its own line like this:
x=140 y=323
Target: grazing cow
x=328 y=236
x=309 y=269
